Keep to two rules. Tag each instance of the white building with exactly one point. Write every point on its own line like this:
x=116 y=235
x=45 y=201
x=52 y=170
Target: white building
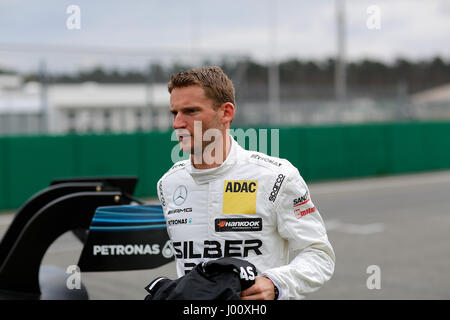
x=82 y=108
x=432 y=103
x=20 y=107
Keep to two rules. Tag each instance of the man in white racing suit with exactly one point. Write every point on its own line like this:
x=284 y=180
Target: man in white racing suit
x=246 y=205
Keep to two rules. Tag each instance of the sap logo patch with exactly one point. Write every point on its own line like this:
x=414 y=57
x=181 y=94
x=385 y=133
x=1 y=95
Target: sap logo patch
x=239 y=197
x=302 y=200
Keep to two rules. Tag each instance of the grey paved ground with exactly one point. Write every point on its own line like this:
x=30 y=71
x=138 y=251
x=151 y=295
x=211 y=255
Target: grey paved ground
x=400 y=224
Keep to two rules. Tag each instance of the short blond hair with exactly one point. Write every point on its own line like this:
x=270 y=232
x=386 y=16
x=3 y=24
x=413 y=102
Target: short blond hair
x=216 y=84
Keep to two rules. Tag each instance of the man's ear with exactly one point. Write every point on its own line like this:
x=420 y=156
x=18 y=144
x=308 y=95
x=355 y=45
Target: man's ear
x=227 y=110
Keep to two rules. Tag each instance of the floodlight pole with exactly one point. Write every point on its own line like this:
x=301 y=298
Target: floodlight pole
x=44 y=97
x=274 y=73
x=340 y=79
x=150 y=98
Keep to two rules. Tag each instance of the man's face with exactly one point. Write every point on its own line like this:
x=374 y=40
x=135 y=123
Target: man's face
x=189 y=104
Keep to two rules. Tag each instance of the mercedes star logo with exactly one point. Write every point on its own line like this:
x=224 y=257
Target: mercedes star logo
x=180 y=195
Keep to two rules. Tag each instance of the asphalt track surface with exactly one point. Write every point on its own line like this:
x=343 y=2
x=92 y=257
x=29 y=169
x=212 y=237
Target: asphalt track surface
x=399 y=224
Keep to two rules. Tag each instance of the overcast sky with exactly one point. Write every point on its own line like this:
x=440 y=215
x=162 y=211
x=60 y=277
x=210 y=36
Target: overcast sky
x=263 y=29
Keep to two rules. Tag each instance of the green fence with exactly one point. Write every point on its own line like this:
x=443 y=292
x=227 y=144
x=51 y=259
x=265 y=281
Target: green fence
x=28 y=164
x=330 y=152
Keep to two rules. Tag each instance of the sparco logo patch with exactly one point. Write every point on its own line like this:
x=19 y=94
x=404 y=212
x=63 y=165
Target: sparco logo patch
x=228 y=225
x=239 y=196
x=276 y=187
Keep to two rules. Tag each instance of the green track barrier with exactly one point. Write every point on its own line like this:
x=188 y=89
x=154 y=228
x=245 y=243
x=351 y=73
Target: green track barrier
x=28 y=164
x=4 y=182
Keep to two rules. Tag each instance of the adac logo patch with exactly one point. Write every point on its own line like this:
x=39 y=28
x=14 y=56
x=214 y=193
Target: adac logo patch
x=239 y=196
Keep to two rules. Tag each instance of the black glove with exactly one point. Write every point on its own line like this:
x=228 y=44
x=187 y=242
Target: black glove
x=244 y=269
x=221 y=279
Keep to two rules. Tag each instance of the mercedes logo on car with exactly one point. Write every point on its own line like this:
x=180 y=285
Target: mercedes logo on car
x=180 y=195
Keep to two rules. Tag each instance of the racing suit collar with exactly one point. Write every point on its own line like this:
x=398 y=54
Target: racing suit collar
x=201 y=176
